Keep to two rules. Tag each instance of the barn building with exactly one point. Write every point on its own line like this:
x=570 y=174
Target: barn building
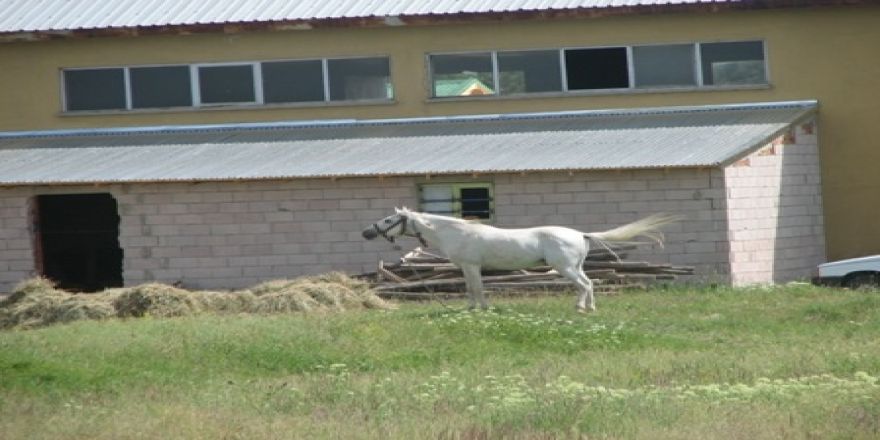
x=219 y=144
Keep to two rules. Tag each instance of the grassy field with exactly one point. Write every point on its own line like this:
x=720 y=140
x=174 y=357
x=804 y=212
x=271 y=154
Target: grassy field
x=792 y=362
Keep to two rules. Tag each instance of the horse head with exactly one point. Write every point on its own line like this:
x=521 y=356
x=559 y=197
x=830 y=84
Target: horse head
x=389 y=227
x=400 y=223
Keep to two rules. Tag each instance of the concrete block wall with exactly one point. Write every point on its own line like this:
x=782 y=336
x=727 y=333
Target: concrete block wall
x=775 y=209
x=16 y=246
x=236 y=234
x=219 y=235
x=601 y=200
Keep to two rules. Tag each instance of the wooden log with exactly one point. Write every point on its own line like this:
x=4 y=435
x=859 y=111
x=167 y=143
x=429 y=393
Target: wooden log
x=388 y=274
x=460 y=281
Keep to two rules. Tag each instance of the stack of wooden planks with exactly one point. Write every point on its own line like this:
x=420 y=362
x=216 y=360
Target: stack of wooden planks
x=420 y=274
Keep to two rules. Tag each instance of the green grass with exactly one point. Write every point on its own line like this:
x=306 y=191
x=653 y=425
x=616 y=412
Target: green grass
x=792 y=362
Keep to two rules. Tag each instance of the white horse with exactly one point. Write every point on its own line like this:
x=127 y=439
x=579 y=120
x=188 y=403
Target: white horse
x=472 y=246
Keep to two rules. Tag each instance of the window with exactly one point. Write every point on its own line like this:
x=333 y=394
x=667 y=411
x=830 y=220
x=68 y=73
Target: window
x=94 y=89
x=687 y=65
x=664 y=66
x=531 y=71
x=293 y=81
x=356 y=79
x=270 y=82
x=465 y=200
x=591 y=69
x=226 y=84
x=733 y=63
x=157 y=87
x=462 y=75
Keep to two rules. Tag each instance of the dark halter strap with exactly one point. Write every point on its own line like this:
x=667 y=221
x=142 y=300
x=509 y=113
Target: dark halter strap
x=402 y=221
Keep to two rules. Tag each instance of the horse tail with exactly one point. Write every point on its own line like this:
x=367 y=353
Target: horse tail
x=648 y=227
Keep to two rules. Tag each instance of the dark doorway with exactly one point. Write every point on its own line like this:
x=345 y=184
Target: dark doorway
x=78 y=240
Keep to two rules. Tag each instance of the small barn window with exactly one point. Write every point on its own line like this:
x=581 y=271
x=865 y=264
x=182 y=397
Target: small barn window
x=353 y=79
x=664 y=65
x=734 y=63
x=157 y=87
x=465 y=200
x=293 y=81
x=94 y=89
x=469 y=74
x=592 y=69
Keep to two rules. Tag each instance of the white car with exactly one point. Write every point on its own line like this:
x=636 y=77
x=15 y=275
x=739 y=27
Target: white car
x=852 y=273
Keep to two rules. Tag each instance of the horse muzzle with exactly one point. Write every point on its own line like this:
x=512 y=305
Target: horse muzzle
x=370 y=233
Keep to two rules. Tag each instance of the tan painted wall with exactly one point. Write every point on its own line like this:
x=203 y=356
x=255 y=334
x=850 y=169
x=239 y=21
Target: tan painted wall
x=825 y=54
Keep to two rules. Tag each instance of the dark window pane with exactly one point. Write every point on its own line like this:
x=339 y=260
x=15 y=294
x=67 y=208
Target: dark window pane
x=529 y=71
x=475 y=203
x=94 y=89
x=359 y=78
x=733 y=63
x=226 y=84
x=462 y=75
x=664 y=66
x=293 y=81
x=588 y=69
x=153 y=87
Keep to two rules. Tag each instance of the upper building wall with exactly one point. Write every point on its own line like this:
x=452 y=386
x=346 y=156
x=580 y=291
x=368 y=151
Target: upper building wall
x=31 y=77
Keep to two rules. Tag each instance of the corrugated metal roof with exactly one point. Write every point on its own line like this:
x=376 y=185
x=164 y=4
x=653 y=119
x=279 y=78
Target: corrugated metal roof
x=67 y=15
x=671 y=137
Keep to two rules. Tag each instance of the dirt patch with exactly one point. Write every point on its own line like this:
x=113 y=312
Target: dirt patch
x=37 y=303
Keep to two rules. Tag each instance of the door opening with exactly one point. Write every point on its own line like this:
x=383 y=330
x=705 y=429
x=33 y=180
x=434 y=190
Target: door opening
x=77 y=236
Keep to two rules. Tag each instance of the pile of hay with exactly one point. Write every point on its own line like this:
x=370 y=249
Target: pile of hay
x=37 y=303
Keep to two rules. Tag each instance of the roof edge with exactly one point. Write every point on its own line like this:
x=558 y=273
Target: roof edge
x=398 y=20
x=801 y=117
x=808 y=106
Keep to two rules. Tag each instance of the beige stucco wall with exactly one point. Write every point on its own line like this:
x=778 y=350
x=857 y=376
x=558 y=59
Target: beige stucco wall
x=822 y=53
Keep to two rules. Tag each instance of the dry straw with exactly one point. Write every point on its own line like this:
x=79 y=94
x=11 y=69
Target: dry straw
x=37 y=303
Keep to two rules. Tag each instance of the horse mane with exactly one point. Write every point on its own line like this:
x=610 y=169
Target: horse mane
x=444 y=218
x=437 y=218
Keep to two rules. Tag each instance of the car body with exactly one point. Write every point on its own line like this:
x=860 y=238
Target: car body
x=852 y=272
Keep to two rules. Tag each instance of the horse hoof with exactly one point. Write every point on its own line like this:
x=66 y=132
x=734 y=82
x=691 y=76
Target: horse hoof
x=585 y=310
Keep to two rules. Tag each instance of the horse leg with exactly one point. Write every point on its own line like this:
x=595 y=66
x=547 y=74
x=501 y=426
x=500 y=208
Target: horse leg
x=474 y=281
x=586 y=302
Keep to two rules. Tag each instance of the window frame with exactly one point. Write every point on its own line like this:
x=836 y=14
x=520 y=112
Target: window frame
x=325 y=66
x=195 y=90
x=631 y=89
x=129 y=92
x=63 y=89
x=494 y=70
x=456 y=201
x=696 y=67
x=699 y=56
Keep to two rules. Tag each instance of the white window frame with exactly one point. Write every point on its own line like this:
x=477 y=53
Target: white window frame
x=63 y=86
x=456 y=187
x=195 y=90
x=563 y=69
x=195 y=74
